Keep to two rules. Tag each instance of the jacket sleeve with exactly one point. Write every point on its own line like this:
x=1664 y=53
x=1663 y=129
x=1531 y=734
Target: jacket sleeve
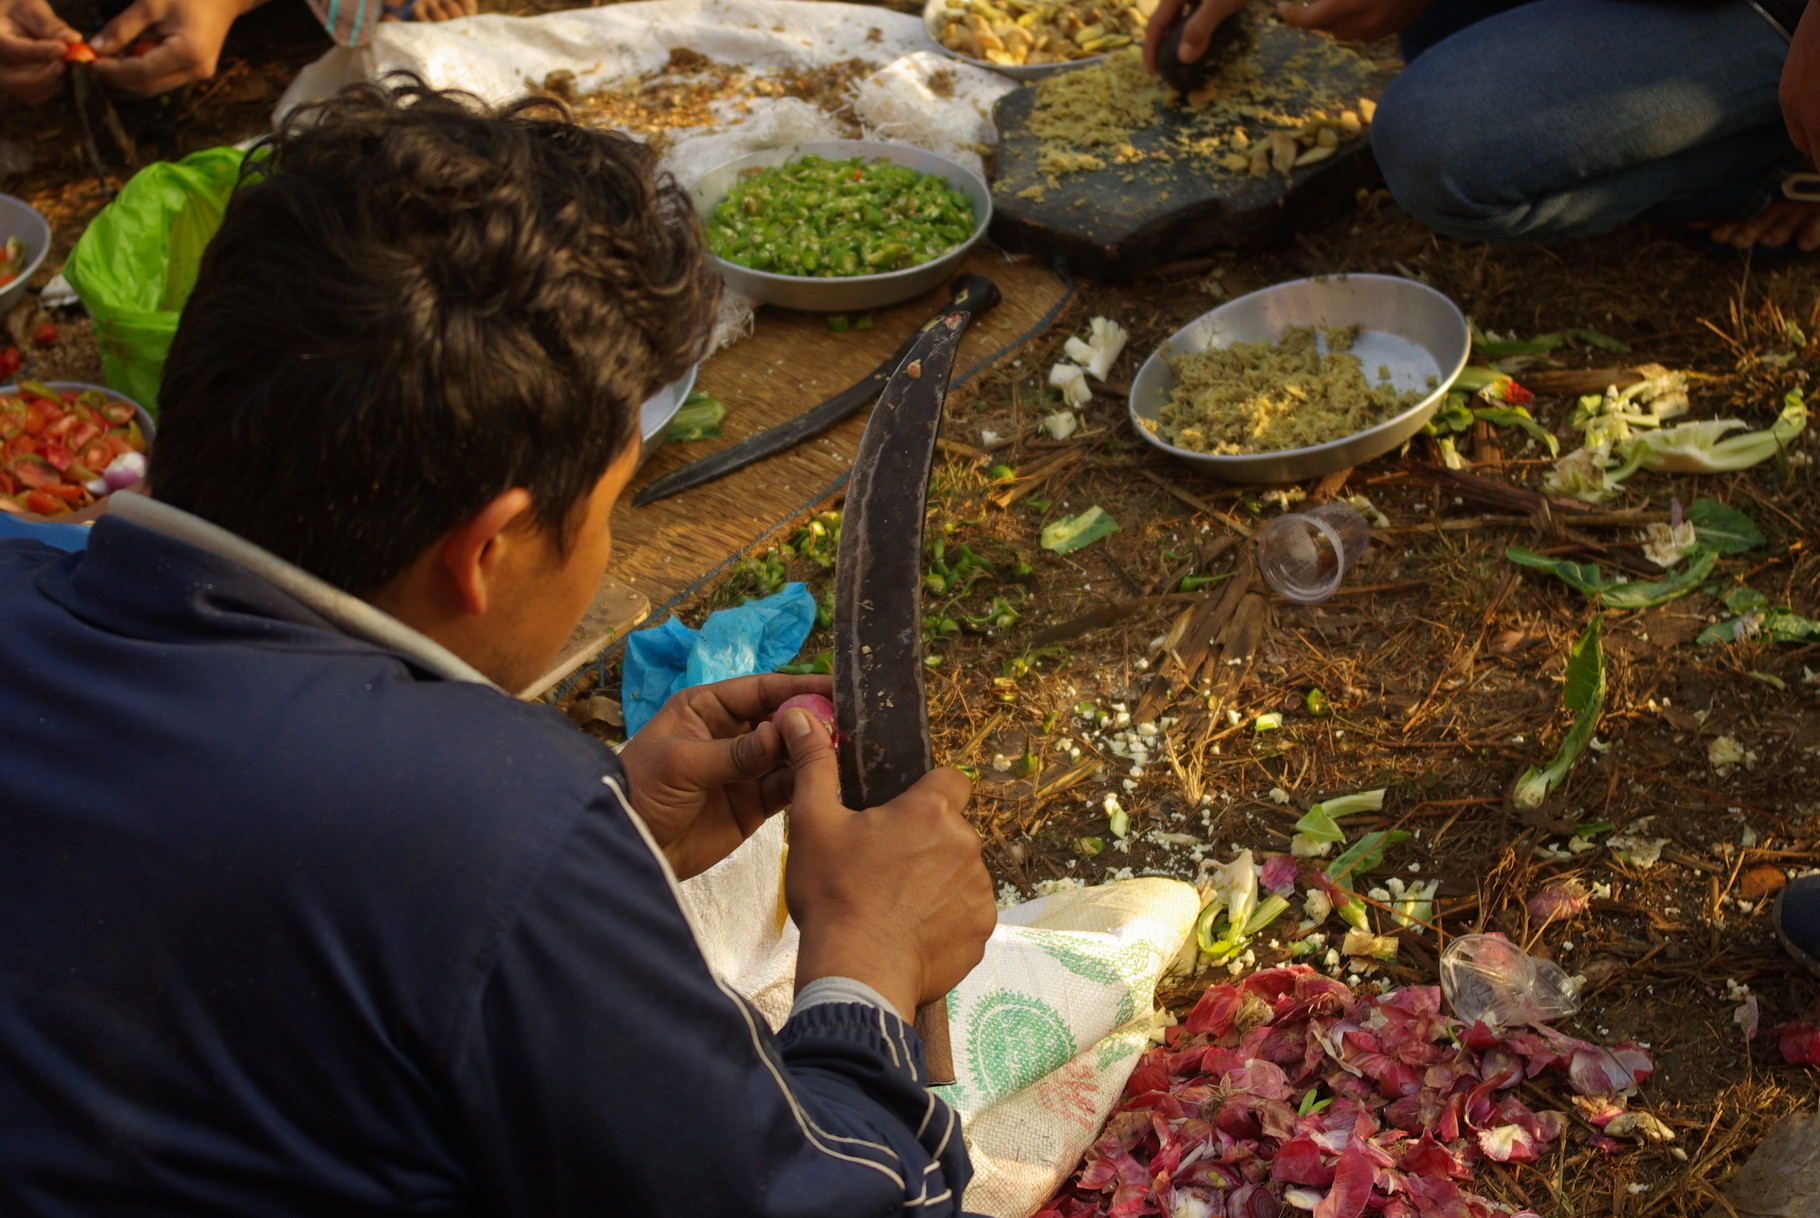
x=604 y=1069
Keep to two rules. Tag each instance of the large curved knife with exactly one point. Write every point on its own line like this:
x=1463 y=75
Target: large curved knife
x=973 y=294
x=878 y=603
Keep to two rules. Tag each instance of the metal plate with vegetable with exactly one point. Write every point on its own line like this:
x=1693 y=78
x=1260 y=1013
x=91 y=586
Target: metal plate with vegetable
x=1030 y=39
x=25 y=238
x=1413 y=333
x=809 y=289
x=65 y=446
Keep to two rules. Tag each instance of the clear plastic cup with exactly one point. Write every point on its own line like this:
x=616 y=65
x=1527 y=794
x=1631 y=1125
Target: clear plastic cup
x=1305 y=555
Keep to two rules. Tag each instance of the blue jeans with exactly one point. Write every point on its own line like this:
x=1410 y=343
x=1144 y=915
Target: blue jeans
x=1551 y=119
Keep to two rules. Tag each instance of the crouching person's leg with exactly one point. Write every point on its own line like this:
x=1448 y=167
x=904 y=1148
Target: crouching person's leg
x=1566 y=118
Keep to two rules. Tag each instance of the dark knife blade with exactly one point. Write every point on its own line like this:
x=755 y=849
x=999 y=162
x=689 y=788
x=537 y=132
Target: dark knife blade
x=973 y=294
x=878 y=603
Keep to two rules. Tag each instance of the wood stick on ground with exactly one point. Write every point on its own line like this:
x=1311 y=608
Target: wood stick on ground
x=1250 y=622
x=1195 y=502
x=1030 y=481
x=959 y=451
x=1591 y=520
x=1197 y=641
x=1493 y=493
x=1330 y=485
x=1574 y=381
x=1105 y=615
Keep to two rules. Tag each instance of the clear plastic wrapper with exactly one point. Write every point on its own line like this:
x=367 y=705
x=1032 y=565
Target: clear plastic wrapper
x=1488 y=979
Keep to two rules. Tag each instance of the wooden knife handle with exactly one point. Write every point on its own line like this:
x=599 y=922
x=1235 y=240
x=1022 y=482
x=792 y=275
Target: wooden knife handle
x=938 y=1054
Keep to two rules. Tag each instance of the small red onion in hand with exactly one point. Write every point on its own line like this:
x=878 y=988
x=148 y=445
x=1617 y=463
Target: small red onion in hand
x=815 y=704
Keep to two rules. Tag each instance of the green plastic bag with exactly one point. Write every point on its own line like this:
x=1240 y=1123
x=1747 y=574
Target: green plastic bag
x=137 y=262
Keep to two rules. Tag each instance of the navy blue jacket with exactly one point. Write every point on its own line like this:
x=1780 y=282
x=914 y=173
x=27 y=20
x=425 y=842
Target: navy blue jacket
x=290 y=925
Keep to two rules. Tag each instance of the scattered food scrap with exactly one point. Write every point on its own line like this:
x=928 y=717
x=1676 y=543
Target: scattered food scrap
x=692 y=90
x=1290 y=1087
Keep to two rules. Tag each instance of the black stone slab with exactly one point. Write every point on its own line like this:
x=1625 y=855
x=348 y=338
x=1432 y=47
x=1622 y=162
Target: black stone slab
x=1110 y=228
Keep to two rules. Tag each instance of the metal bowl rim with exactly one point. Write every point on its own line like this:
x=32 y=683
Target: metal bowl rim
x=882 y=147
x=686 y=385
x=44 y=247
x=1428 y=403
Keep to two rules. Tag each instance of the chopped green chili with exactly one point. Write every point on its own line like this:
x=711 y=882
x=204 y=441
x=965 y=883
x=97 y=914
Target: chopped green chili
x=816 y=217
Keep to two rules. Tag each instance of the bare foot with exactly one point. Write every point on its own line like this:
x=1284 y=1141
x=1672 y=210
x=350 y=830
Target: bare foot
x=444 y=10
x=1782 y=222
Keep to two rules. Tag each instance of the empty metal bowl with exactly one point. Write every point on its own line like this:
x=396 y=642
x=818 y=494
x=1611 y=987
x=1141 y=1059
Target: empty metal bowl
x=1409 y=328
x=844 y=293
x=935 y=10
x=20 y=219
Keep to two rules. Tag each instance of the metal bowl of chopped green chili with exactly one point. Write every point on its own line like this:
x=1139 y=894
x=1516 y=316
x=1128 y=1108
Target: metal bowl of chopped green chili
x=840 y=225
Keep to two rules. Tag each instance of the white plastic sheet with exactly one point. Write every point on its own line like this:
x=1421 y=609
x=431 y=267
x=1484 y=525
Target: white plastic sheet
x=503 y=58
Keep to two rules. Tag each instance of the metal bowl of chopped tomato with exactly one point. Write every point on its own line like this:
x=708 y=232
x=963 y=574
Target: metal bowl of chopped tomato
x=25 y=238
x=65 y=446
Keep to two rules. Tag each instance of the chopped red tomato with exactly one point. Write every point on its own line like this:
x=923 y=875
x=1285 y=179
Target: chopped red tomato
x=46 y=334
x=34 y=471
x=55 y=443
x=44 y=504
x=59 y=457
x=79 y=52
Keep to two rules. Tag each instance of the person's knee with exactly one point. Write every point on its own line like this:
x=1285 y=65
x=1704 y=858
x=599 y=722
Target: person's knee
x=1439 y=164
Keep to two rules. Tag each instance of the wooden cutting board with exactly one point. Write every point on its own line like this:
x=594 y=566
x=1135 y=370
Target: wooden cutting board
x=1175 y=206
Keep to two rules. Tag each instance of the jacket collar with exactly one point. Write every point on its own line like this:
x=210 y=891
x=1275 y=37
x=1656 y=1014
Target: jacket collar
x=346 y=613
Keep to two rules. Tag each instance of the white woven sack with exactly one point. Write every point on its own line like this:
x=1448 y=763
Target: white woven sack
x=1045 y=1031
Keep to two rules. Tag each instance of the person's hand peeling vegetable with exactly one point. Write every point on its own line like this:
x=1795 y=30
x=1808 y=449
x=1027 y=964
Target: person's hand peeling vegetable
x=33 y=41
x=894 y=896
x=710 y=766
x=189 y=35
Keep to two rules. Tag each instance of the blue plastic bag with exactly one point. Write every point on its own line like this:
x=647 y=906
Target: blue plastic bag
x=759 y=636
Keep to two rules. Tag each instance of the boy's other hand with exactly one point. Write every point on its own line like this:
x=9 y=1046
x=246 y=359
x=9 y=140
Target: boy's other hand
x=32 y=38
x=709 y=767
x=189 y=34
x=894 y=896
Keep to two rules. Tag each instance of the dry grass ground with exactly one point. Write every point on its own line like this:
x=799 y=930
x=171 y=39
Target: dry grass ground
x=1440 y=660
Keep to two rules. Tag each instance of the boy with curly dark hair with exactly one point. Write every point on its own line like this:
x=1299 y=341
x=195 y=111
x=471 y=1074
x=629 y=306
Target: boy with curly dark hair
x=304 y=914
